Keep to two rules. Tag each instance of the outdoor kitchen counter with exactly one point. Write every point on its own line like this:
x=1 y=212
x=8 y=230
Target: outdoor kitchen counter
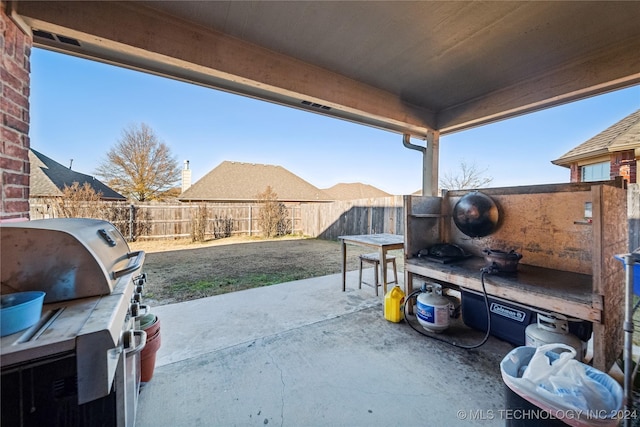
x=547 y=289
x=546 y=224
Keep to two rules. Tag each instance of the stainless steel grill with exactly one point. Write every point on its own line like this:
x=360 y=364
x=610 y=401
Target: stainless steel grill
x=68 y=258
x=86 y=331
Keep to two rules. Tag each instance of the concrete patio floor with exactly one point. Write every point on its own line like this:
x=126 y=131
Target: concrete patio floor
x=306 y=354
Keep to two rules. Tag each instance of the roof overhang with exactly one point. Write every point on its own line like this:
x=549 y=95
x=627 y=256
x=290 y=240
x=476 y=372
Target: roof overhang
x=408 y=67
x=592 y=156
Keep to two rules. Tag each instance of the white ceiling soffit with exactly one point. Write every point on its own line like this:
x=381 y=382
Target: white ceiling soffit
x=409 y=67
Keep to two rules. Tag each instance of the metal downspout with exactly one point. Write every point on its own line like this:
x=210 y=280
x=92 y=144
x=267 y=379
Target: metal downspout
x=429 y=162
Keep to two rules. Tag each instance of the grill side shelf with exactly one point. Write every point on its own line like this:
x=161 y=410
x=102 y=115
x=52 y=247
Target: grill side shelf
x=55 y=332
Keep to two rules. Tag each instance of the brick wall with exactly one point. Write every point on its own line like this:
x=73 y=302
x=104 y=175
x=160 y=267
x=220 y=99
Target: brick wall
x=14 y=109
x=575 y=172
x=623 y=163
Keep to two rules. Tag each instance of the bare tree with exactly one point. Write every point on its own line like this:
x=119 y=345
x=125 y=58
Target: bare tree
x=469 y=176
x=140 y=166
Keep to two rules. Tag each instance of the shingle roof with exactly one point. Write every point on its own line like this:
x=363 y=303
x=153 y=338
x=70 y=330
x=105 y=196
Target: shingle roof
x=355 y=190
x=624 y=135
x=48 y=178
x=236 y=181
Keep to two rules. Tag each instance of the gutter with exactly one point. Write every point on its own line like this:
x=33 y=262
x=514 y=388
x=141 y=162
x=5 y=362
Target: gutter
x=405 y=141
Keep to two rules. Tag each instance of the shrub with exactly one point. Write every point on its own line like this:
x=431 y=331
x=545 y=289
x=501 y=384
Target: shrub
x=272 y=218
x=199 y=224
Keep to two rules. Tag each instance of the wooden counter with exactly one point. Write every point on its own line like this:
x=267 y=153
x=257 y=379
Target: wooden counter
x=568 y=235
x=549 y=290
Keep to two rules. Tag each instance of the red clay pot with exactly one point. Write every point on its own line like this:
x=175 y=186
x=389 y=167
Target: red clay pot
x=148 y=354
x=152 y=328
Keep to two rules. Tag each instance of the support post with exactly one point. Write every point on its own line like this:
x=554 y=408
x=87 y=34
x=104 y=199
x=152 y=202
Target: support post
x=430 y=163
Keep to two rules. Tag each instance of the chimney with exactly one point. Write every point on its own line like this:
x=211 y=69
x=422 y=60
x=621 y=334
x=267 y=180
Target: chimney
x=186 y=176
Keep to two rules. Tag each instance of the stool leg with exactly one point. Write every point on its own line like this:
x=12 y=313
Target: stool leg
x=375 y=281
x=395 y=271
x=360 y=279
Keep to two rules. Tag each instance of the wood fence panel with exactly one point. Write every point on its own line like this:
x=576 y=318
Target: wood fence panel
x=362 y=216
x=322 y=220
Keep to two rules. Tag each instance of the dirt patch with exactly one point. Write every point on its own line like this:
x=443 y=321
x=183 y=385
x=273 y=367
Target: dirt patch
x=181 y=270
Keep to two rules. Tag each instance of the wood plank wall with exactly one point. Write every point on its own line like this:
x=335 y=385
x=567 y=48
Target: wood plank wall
x=546 y=224
x=363 y=216
x=609 y=277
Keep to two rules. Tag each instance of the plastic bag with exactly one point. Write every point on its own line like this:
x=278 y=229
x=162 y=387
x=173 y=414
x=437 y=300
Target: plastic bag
x=566 y=378
x=576 y=388
x=564 y=387
x=541 y=367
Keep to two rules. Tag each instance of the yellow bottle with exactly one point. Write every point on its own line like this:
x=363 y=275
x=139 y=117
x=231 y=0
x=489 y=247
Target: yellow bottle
x=394 y=305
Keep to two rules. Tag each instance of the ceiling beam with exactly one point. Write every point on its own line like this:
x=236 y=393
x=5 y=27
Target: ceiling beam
x=132 y=35
x=139 y=38
x=609 y=69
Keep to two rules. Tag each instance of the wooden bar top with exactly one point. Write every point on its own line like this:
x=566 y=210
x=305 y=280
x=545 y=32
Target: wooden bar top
x=552 y=290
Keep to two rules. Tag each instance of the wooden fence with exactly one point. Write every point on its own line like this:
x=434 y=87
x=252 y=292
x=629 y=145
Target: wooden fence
x=176 y=220
x=322 y=220
x=364 y=216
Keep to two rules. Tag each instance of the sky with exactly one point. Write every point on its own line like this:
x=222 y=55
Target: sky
x=79 y=109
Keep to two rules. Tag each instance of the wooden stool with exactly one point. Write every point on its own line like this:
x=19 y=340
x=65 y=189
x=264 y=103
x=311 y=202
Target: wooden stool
x=374 y=258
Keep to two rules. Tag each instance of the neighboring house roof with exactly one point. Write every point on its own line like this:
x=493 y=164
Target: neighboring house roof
x=236 y=181
x=48 y=179
x=355 y=190
x=624 y=135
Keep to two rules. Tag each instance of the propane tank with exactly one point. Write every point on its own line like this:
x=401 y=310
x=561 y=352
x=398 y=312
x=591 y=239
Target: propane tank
x=394 y=305
x=432 y=309
x=454 y=302
x=553 y=328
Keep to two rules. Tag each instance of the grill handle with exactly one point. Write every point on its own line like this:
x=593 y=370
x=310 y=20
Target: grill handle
x=139 y=255
x=130 y=351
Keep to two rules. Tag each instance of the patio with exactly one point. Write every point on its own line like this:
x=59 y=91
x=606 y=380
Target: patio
x=306 y=354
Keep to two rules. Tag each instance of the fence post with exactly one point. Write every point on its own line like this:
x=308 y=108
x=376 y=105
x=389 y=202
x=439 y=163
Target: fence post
x=250 y=218
x=131 y=221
